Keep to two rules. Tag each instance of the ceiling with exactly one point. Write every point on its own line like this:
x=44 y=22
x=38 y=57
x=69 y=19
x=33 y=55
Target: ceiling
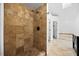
x=32 y=6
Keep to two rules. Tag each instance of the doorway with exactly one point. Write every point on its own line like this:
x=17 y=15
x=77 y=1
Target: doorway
x=55 y=29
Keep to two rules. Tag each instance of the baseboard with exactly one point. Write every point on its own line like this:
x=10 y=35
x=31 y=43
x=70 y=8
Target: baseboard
x=66 y=33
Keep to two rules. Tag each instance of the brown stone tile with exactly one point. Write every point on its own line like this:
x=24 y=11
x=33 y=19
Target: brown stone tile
x=19 y=29
x=9 y=48
x=20 y=51
x=31 y=51
x=28 y=43
x=19 y=40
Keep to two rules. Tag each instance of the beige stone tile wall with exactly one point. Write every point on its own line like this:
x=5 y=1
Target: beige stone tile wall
x=20 y=30
x=40 y=37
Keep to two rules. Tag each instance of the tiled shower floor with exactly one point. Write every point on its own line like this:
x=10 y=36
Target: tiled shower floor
x=42 y=53
x=61 y=46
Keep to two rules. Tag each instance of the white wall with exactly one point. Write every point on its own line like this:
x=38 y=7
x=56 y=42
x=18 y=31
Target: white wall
x=1 y=30
x=68 y=17
x=77 y=25
x=49 y=27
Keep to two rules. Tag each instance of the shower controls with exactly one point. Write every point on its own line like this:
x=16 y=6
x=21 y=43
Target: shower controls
x=38 y=28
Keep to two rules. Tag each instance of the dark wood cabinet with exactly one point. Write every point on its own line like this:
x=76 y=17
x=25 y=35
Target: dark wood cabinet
x=76 y=44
